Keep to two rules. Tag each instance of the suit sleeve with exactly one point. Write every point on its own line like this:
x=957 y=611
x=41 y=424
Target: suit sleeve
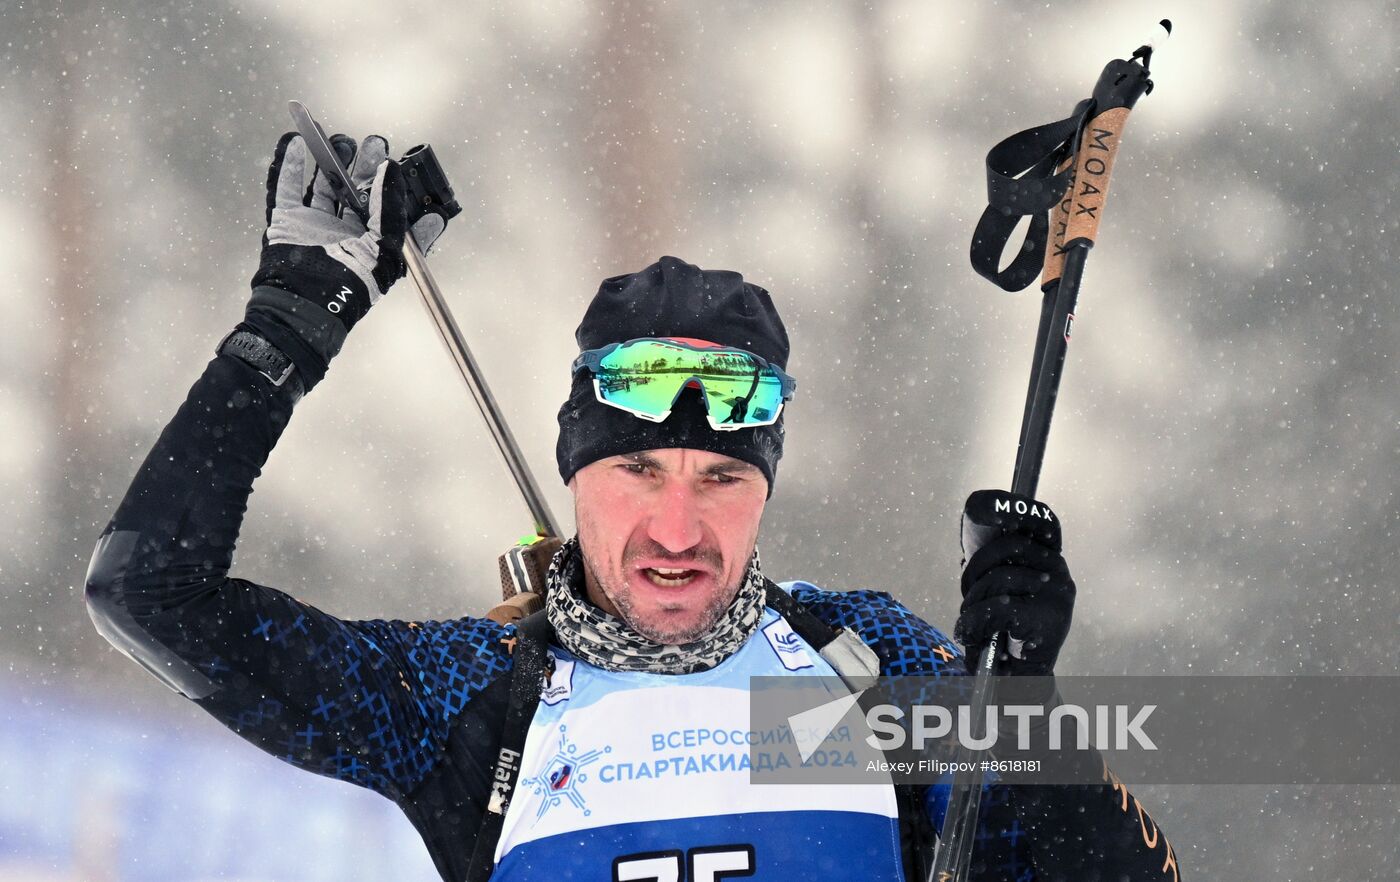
x=1041 y=833
x=370 y=702
x=1092 y=832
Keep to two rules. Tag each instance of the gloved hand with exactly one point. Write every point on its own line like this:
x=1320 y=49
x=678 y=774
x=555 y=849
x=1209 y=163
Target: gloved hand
x=322 y=268
x=1013 y=580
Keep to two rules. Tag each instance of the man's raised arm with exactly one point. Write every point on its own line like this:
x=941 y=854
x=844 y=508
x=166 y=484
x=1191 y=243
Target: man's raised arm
x=369 y=702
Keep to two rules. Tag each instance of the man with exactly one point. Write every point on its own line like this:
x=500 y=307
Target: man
x=657 y=613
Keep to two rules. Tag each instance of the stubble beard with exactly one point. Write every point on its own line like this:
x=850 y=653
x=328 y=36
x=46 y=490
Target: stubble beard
x=675 y=636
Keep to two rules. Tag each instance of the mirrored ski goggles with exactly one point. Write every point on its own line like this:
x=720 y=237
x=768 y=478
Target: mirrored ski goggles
x=645 y=377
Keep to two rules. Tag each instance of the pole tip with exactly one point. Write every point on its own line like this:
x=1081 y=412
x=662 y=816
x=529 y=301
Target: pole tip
x=1159 y=35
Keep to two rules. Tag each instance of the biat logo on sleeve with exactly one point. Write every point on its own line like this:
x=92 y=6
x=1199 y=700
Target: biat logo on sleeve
x=790 y=649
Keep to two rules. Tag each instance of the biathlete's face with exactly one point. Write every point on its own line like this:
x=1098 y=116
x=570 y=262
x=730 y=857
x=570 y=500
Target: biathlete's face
x=666 y=536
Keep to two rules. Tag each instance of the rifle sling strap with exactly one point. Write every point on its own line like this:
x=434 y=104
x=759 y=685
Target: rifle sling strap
x=530 y=662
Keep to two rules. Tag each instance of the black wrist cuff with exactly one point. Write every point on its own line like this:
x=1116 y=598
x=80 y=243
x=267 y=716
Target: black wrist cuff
x=310 y=365
x=254 y=350
x=321 y=331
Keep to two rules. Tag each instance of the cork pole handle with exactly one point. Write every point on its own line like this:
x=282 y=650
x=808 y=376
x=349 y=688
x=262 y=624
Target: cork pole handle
x=1059 y=223
x=1089 y=190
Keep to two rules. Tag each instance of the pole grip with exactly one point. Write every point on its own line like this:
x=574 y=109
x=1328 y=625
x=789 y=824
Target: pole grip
x=1084 y=201
x=1059 y=224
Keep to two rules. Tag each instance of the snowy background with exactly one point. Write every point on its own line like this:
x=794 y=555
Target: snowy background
x=1223 y=455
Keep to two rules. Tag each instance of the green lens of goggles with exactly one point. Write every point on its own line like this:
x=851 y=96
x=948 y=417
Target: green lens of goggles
x=645 y=377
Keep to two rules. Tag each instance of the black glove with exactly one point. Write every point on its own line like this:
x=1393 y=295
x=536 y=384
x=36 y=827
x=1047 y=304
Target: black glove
x=1013 y=580
x=321 y=268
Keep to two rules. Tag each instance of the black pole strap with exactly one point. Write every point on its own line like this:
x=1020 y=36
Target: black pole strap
x=1022 y=181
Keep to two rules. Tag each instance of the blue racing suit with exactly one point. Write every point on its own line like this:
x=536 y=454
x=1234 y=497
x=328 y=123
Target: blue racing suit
x=625 y=776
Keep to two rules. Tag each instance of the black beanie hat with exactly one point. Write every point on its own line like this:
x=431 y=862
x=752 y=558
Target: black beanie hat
x=671 y=298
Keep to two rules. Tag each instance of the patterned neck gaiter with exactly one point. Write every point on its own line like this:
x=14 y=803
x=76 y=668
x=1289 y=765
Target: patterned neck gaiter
x=608 y=642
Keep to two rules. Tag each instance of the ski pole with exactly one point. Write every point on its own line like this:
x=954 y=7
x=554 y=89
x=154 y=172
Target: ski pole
x=522 y=568
x=1075 y=172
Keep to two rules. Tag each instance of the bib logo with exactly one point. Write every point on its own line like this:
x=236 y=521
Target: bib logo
x=790 y=649
x=562 y=775
x=558 y=681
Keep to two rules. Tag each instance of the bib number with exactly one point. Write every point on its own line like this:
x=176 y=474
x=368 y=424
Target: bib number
x=706 y=864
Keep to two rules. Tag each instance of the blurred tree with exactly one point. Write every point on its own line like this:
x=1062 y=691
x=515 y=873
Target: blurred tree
x=1291 y=531
x=630 y=142
x=128 y=106
x=884 y=345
